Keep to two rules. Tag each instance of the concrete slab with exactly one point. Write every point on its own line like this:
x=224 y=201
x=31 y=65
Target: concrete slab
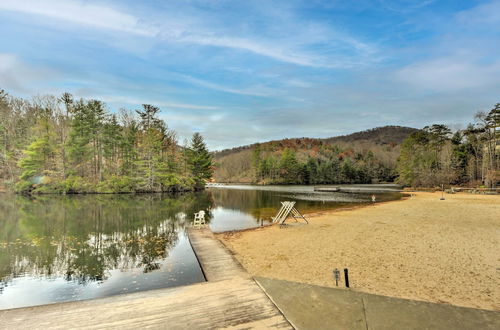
x=315 y=307
x=392 y=313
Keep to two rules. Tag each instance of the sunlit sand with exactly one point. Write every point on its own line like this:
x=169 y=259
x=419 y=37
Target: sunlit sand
x=419 y=248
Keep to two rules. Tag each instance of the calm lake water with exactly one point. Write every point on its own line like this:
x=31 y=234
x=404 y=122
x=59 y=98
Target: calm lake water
x=61 y=248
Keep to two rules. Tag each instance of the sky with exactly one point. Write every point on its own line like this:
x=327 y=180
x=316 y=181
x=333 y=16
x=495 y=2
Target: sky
x=241 y=72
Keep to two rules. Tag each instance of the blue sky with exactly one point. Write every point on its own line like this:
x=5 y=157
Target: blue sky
x=246 y=71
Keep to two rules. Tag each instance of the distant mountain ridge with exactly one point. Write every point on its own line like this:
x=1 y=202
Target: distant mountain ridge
x=236 y=164
x=379 y=135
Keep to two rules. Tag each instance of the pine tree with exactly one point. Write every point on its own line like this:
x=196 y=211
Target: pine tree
x=312 y=169
x=128 y=148
x=200 y=161
x=150 y=143
x=64 y=123
x=96 y=114
x=112 y=140
x=4 y=139
x=78 y=149
x=38 y=162
x=256 y=160
x=289 y=166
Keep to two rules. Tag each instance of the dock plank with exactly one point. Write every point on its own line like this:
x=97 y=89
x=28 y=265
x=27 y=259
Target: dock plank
x=216 y=261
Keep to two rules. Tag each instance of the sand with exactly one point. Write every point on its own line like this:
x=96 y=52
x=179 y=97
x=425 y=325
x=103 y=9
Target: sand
x=421 y=248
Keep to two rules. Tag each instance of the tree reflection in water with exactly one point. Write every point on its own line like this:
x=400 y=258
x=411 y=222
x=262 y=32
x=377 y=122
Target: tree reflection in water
x=82 y=238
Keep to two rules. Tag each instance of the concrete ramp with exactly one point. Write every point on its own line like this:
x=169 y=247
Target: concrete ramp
x=314 y=307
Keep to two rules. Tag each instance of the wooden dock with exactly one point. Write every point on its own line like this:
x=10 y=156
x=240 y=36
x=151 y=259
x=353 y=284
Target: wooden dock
x=230 y=299
x=359 y=190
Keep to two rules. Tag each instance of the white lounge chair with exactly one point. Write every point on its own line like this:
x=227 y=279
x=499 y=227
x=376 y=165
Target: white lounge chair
x=287 y=209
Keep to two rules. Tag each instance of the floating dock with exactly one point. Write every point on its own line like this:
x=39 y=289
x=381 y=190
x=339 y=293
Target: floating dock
x=360 y=189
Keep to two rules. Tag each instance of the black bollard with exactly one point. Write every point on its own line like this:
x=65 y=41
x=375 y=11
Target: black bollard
x=346 y=275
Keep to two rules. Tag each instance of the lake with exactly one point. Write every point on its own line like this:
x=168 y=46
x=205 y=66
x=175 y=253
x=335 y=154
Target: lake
x=56 y=248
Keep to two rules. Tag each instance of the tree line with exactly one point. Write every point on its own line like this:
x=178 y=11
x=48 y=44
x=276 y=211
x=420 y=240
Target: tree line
x=436 y=156
x=328 y=164
x=66 y=145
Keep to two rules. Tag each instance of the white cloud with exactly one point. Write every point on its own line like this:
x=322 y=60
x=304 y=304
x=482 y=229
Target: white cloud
x=263 y=92
x=158 y=103
x=18 y=76
x=482 y=15
x=449 y=74
x=80 y=12
x=277 y=53
x=298 y=83
x=404 y=6
x=200 y=31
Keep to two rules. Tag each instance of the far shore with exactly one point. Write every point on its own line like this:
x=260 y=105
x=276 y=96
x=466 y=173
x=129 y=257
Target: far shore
x=421 y=248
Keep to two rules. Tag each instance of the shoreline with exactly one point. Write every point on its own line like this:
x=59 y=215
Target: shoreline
x=100 y=193
x=418 y=247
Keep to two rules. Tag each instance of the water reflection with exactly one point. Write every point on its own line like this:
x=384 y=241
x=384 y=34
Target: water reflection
x=84 y=239
x=245 y=206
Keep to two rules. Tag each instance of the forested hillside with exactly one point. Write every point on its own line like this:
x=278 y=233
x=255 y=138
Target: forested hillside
x=61 y=145
x=363 y=157
x=436 y=155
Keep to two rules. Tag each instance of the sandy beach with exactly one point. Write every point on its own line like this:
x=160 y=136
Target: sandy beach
x=419 y=248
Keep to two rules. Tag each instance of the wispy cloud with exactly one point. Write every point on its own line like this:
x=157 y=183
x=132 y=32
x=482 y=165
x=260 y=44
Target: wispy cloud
x=160 y=103
x=450 y=74
x=462 y=58
x=81 y=12
x=262 y=92
x=277 y=53
x=405 y=6
x=197 y=32
x=18 y=76
x=486 y=14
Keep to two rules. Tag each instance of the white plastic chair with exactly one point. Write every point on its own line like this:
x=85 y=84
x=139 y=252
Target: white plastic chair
x=199 y=219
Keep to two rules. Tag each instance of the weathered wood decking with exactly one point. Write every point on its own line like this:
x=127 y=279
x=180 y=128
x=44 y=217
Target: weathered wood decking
x=215 y=260
x=230 y=299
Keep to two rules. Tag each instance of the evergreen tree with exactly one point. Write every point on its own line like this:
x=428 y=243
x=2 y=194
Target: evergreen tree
x=38 y=163
x=304 y=175
x=128 y=149
x=150 y=164
x=4 y=140
x=112 y=140
x=64 y=124
x=348 y=172
x=78 y=147
x=289 y=166
x=256 y=160
x=492 y=138
x=312 y=170
x=459 y=157
x=200 y=160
